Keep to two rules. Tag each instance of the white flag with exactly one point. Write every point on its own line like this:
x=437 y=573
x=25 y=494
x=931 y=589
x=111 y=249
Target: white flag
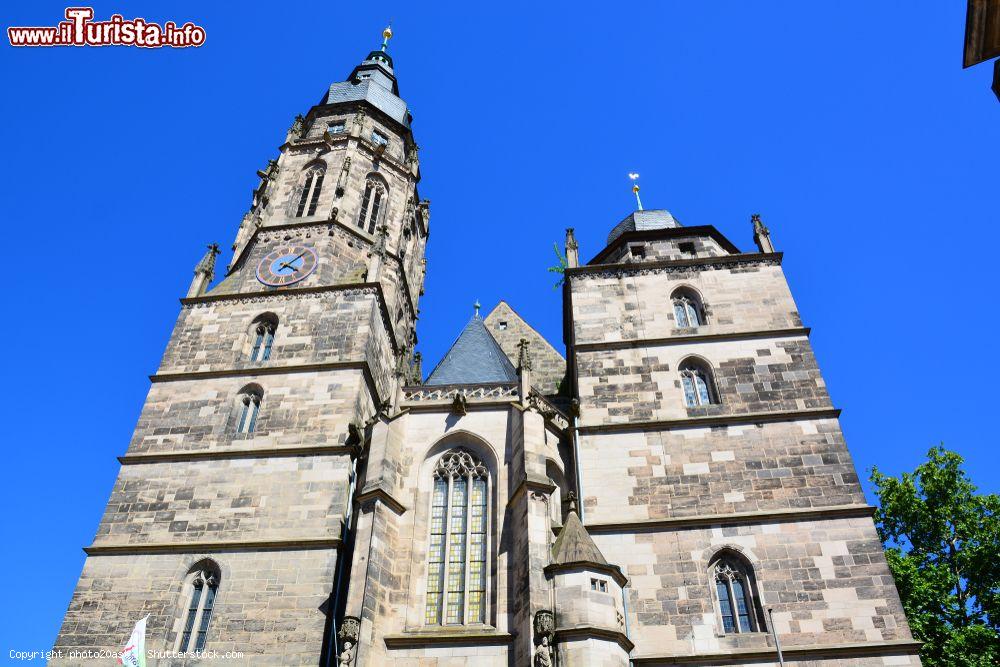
x=134 y=653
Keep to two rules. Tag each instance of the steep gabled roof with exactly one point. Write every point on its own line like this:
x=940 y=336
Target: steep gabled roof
x=575 y=545
x=474 y=358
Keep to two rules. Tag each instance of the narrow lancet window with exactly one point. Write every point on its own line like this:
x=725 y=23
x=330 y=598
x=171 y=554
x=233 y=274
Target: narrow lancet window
x=201 y=588
x=371 y=206
x=309 y=199
x=688 y=310
x=249 y=406
x=738 y=603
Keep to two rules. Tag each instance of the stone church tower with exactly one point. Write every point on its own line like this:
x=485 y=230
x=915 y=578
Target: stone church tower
x=675 y=490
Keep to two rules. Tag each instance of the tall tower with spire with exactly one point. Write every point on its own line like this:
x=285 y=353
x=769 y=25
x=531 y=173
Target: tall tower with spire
x=231 y=515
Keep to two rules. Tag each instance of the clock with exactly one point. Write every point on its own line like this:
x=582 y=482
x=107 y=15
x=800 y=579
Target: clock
x=287 y=265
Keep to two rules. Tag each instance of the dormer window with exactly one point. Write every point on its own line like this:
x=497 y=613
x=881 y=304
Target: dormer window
x=379 y=139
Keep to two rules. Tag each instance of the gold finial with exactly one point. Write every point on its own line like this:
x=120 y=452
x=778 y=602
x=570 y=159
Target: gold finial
x=386 y=36
x=635 y=187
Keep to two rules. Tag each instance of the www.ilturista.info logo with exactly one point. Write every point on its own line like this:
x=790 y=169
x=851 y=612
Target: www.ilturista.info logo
x=80 y=30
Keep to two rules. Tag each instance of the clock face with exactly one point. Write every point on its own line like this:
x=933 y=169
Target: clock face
x=287 y=265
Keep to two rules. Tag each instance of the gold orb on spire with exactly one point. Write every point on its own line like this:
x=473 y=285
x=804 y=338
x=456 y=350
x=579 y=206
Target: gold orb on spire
x=387 y=33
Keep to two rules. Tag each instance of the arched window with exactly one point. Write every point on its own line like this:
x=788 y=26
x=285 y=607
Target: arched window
x=309 y=198
x=371 y=205
x=688 y=310
x=201 y=587
x=696 y=379
x=456 y=568
x=249 y=406
x=735 y=592
x=262 y=336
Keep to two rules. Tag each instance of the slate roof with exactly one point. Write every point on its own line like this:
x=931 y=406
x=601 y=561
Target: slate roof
x=373 y=81
x=574 y=544
x=641 y=221
x=474 y=358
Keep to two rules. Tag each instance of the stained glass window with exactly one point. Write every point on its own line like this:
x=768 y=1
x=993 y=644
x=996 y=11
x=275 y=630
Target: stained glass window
x=459 y=542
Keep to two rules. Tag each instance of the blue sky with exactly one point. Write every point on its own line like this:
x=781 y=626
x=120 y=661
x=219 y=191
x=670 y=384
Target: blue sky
x=851 y=127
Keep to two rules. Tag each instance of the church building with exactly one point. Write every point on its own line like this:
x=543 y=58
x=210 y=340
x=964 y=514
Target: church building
x=667 y=485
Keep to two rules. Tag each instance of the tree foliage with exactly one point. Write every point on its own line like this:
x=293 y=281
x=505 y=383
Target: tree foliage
x=942 y=542
x=560 y=268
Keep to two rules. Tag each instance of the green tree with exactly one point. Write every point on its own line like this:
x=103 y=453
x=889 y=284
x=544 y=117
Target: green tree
x=560 y=268
x=942 y=541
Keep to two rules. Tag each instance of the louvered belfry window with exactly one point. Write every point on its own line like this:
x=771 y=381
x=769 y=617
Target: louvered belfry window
x=456 y=564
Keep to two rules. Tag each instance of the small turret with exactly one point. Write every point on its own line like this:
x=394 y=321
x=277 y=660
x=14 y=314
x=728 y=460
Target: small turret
x=204 y=272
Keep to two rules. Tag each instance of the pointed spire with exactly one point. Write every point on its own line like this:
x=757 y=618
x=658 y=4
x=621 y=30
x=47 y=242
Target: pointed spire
x=572 y=249
x=574 y=544
x=207 y=263
x=204 y=272
x=761 y=235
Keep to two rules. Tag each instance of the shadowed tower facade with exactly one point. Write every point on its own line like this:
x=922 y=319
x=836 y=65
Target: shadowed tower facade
x=673 y=490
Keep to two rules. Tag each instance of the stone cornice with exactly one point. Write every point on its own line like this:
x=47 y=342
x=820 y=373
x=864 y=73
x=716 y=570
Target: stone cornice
x=279 y=293
x=811 y=652
x=673 y=265
x=447 y=637
x=733 y=519
x=693 y=338
x=212 y=546
x=223 y=454
x=379 y=494
x=704 y=422
x=592 y=632
x=612 y=571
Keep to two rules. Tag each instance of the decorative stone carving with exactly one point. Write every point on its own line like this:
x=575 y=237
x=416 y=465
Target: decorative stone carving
x=298 y=128
x=524 y=355
x=544 y=628
x=460 y=463
x=345 y=170
x=350 y=631
x=460 y=405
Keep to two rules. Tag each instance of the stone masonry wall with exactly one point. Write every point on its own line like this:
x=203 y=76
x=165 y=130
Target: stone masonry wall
x=548 y=367
x=229 y=499
x=827 y=581
x=298 y=410
x=638 y=305
x=269 y=604
x=664 y=474
x=750 y=376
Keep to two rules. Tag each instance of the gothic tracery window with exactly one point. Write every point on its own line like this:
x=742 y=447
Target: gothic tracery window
x=249 y=406
x=309 y=199
x=738 y=603
x=263 y=338
x=371 y=205
x=696 y=381
x=687 y=309
x=456 y=568
x=200 y=590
